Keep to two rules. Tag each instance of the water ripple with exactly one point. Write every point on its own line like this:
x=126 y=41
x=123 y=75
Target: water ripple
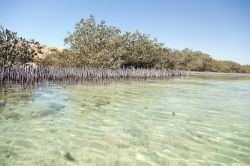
x=169 y=122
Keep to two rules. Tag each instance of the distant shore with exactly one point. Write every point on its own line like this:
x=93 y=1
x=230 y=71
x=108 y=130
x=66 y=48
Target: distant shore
x=203 y=73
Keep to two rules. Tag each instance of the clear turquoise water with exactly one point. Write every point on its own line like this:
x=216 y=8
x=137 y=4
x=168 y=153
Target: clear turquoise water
x=185 y=121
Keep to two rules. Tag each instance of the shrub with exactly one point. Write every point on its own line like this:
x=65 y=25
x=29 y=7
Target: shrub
x=13 y=49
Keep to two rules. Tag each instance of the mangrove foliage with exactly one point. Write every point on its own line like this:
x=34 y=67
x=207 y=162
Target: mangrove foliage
x=95 y=44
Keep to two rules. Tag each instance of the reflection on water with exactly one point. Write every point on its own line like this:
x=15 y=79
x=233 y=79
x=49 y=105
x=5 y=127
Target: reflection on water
x=187 y=121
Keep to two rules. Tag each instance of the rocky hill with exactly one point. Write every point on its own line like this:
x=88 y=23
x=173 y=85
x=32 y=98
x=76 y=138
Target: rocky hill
x=41 y=51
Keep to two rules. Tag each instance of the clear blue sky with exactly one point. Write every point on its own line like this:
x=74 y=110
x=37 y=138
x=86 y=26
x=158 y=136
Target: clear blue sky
x=220 y=28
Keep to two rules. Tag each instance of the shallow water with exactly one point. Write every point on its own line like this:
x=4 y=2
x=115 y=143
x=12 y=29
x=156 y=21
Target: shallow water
x=184 y=121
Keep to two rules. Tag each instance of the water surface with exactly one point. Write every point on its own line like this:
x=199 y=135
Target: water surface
x=184 y=121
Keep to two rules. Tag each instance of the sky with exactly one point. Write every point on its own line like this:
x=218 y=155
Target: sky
x=220 y=28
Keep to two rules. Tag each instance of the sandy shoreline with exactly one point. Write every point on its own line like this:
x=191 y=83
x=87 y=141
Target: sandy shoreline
x=197 y=73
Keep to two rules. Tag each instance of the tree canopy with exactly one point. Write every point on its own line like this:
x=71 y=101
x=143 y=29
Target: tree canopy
x=98 y=45
x=14 y=50
x=94 y=44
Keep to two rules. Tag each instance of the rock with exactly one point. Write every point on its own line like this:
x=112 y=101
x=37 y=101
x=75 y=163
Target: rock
x=102 y=101
x=41 y=51
x=2 y=104
x=56 y=106
x=69 y=157
x=13 y=115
